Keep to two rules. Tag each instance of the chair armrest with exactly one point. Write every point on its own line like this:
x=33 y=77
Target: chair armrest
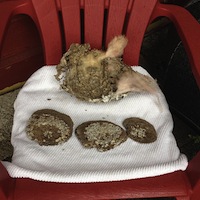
x=188 y=29
x=193 y=172
x=6 y=183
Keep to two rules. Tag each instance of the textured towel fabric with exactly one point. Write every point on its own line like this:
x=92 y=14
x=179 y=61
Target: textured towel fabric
x=71 y=162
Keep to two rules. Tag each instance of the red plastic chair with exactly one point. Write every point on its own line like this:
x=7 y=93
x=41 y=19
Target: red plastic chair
x=96 y=22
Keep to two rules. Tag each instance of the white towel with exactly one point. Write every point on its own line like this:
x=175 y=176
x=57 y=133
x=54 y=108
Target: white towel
x=71 y=162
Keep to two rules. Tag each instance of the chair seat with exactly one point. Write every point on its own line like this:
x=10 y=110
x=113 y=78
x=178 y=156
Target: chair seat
x=168 y=185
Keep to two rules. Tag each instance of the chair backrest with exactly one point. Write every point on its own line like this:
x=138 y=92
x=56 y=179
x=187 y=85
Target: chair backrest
x=97 y=22
x=61 y=23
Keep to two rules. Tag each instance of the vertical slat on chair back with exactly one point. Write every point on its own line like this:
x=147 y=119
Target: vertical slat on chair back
x=117 y=13
x=72 y=21
x=97 y=22
x=139 y=18
x=48 y=26
x=93 y=22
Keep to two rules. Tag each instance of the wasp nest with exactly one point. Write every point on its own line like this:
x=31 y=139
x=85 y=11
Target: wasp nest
x=102 y=135
x=49 y=127
x=97 y=76
x=140 y=130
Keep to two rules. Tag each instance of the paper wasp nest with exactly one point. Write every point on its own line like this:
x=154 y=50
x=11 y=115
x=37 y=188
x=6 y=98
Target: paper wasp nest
x=100 y=76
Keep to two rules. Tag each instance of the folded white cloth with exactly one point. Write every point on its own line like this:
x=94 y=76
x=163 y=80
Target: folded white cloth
x=71 y=162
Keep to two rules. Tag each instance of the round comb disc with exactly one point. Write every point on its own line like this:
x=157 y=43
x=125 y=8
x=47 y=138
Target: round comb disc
x=140 y=130
x=102 y=135
x=49 y=127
